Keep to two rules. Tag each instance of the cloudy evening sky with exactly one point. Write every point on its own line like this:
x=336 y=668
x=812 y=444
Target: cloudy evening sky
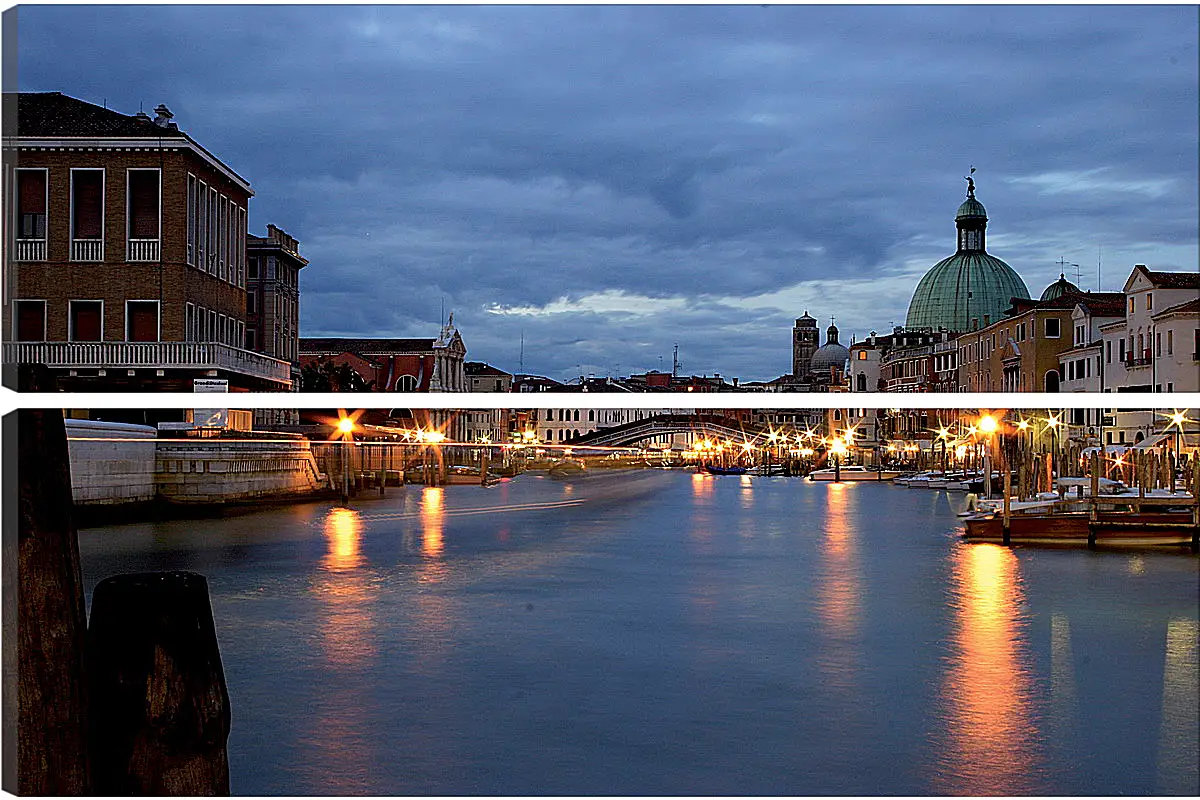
x=608 y=181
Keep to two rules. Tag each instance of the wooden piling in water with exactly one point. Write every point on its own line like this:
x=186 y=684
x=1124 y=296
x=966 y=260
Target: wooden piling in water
x=42 y=569
x=161 y=714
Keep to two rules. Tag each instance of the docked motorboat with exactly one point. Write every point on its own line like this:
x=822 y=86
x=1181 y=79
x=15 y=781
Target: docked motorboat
x=713 y=469
x=567 y=468
x=853 y=473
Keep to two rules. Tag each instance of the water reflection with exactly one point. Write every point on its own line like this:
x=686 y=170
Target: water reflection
x=1179 y=737
x=989 y=742
x=433 y=521
x=343 y=530
x=839 y=593
x=702 y=486
x=338 y=750
x=1062 y=678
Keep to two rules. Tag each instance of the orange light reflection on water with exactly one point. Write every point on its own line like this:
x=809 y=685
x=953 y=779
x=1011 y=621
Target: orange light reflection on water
x=839 y=593
x=990 y=744
x=433 y=521
x=336 y=749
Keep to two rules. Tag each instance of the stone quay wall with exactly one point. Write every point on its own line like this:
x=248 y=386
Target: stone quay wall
x=111 y=463
x=115 y=464
x=225 y=471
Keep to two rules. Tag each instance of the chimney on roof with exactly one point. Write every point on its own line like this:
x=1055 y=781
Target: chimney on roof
x=163 y=116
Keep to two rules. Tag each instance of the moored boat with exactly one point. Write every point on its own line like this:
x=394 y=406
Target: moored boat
x=853 y=473
x=713 y=469
x=566 y=468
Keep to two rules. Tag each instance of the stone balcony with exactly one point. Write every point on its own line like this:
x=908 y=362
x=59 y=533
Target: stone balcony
x=201 y=356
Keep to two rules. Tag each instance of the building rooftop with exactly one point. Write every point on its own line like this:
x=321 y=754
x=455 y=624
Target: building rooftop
x=1175 y=280
x=1190 y=307
x=480 y=368
x=375 y=346
x=54 y=114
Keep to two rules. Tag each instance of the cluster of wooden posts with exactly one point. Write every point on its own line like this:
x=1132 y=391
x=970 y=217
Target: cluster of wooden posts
x=133 y=702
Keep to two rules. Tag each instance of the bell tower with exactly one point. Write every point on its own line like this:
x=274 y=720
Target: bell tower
x=804 y=344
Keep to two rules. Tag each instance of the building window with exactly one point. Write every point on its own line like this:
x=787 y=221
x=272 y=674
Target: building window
x=406 y=383
x=251 y=339
x=1131 y=310
x=1149 y=300
x=29 y=321
x=252 y=268
x=87 y=215
x=252 y=302
x=1170 y=343
x=31 y=214
x=862 y=355
x=1121 y=351
x=1053 y=328
x=191 y=219
x=86 y=321
x=1157 y=345
x=141 y=321
x=143 y=229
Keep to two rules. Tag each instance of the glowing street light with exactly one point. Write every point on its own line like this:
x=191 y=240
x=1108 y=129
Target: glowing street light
x=345 y=426
x=988 y=424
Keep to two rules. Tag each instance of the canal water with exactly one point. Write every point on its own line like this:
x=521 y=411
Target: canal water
x=661 y=632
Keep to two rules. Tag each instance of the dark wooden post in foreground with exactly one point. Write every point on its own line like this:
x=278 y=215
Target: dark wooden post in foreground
x=51 y=694
x=160 y=717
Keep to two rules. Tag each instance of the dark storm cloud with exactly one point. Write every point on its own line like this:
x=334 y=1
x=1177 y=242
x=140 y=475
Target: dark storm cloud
x=609 y=181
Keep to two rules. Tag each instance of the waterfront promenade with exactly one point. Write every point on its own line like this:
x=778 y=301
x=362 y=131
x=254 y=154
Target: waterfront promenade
x=665 y=632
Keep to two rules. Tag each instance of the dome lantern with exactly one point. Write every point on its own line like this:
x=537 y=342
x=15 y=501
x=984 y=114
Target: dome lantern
x=971 y=289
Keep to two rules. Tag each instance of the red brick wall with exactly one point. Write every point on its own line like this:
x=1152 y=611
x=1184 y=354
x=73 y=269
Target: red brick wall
x=58 y=279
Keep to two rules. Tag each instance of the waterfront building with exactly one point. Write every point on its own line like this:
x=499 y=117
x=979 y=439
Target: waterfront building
x=482 y=377
x=1156 y=346
x=126 y=261
x=970 y=289
x=916 y=360
x=1082 y=366
x=273 y=264
x=395 y=365
x=1020 y=352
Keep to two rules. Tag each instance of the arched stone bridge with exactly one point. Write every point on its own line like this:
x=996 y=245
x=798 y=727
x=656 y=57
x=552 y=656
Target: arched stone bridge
x=700 y=425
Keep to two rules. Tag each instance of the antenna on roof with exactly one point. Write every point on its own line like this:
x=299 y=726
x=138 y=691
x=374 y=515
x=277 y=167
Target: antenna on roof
x=1098 y=267
x=522 y=359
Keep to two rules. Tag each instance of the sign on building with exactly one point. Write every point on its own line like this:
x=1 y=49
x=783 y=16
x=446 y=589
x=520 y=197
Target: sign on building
x=210 y=417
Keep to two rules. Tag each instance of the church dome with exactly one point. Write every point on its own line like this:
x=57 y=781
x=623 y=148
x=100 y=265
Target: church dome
x=1059 y=288
x=830 y=354
x=971 y=288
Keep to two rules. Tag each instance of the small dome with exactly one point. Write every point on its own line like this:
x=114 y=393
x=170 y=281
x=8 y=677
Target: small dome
x=830 y=354
x=971 y=208
x=1059 y=288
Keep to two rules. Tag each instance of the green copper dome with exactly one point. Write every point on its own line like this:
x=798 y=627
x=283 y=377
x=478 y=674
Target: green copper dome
x=964 y=287
x=970 y=289
x=1059 y=288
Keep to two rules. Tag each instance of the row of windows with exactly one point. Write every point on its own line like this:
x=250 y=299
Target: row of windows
x=216 y=233
x=86 y=213
x=206 y=325
x=1126 y=350
x=982 y=349
x=85 y=320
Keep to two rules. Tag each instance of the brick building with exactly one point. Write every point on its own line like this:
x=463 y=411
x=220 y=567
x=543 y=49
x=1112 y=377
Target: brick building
x=125 y=251
x=396 y=365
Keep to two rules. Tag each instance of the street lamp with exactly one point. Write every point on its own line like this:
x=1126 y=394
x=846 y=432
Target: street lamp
x=345 y=426
x=837 y=450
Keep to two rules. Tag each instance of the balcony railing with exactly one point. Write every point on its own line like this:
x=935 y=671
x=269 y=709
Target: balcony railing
x=87 y=249
x=143 y=250
x=1144 y=361
x=31 y=249
x=160 y=355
